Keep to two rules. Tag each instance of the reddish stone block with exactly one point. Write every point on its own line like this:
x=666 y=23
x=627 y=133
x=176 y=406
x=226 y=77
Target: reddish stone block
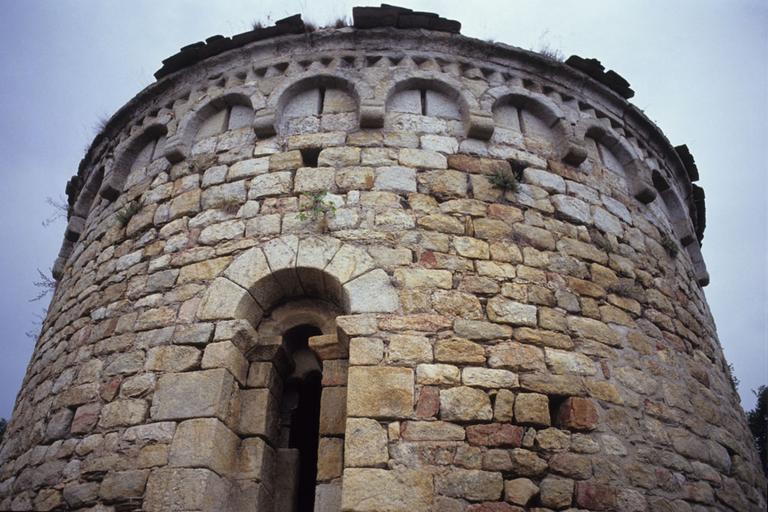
x=85 y=418
x=595 y=496
x=495 y=434
x=577 y=414
x=109 y=388
x=429 y=402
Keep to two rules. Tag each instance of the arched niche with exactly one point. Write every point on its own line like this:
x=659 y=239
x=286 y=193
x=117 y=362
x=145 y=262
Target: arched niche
x=83 y=205
x=132 y=156
x=522 y=118
x=212 y=116
x=318 y=103
x=287 y=294
x=674 y=209
x=608 y=150
x=426 y=105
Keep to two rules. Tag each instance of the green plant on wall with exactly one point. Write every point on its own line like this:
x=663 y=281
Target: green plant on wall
x=669 y=245
x=318 y=207
x=124 y=215
x=504 y=179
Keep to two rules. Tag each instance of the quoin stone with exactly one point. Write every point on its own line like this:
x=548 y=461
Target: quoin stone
x=380 y=267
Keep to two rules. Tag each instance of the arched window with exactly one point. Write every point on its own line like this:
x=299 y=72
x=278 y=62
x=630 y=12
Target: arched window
x=324 y=106
x=424 y=106
x=228 y=117
x=522 y=120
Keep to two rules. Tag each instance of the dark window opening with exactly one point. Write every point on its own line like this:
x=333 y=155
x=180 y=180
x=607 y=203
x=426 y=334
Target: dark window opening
x=423 y=93
x=309 y=157
x=321 y=104
x=303 y=392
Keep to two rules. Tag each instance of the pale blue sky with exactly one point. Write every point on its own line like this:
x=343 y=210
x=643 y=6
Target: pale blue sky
x=699 y=69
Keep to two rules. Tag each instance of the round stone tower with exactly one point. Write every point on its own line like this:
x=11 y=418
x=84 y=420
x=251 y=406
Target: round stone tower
x=380 y=268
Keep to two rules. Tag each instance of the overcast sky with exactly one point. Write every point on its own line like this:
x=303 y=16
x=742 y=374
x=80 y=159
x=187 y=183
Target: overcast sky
x=699 y=69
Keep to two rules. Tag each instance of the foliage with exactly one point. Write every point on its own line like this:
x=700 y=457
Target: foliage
x=3 y=424
x=341 y=22
x=757 y=419
x=318 y=207
x=44 y=285
x=732 y=375
x=129 y=210
x=504 y=179
x=550 y=53
x=669 y=245
x=60 y=210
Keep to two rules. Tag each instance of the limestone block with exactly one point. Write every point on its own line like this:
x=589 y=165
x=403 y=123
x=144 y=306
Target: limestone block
x=424 y=278
x=395 y=179
x=330 y=457
x=333 y=410
x=272 y=184
x=520 y=491
x=470 y=484
x=121 y=485
x=477 y=330
x=581 y=250
x=311 y=179
x=455 y=303
x=59 y=424
x=172 y=358
x=80 y=495
x=437 y=374
x=123 y=413
x=549 y=181
x=526 y=463
x=506 y=311
x=366 y=351
x=423 y=159
x=225 y=300
x=406 y=489
x=459 y=350
x=339 y=157
x=571 y=209
x=171 y=490
x=471 y=247
x=256 y=460
x=372 y=292
x=516 y=357
x=464 y=404
x=248 y=168
x=221 y=232
x=431 y=431
x=225 y=354
x=185 y=204
x=488 y=378
x=553 y=440
x=561 y=361
x=85 y=418
x=259 y=414
x=365 y=443
x=532 y=409
x=354 y=178
x=409 y=350
x=504 y=406
x=290 y=160
x=194 y=394
x=442 y=223
x=380 y=392
x=328 y=497
x=444 y=184
x=594 y=330
x=448 y=145
x=606 y=221
x=224 y=195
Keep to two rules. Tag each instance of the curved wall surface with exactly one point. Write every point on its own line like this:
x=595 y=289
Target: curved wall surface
x=380 y=269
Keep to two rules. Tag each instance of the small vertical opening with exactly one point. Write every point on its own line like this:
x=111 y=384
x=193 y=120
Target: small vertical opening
x=304 y=386
x=423 y=93
x=321 y=101
x=309 y=156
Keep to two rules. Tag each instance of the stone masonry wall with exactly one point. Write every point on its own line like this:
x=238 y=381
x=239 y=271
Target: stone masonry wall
x=545 y=346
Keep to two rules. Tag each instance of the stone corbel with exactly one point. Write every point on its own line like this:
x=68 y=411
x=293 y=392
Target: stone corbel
x=570 y=149
x=640 y=188
x=109 y=189
x=264 y=123
x=75 y=228
x=175 y=149
x=371 y=115
x=481 y=126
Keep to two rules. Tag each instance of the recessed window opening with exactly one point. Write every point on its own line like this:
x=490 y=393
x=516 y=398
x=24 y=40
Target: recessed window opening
x=321 y=101
x=309 y=156
x=302 y=399
x=423 y=93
